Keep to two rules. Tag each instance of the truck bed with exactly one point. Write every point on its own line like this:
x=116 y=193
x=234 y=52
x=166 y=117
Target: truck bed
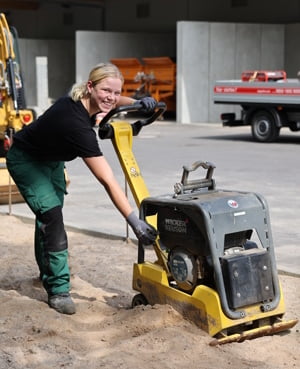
x=247 y=93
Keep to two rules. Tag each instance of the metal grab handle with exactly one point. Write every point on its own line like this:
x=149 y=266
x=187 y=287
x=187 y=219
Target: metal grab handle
x=105 y=130
x=186 y=184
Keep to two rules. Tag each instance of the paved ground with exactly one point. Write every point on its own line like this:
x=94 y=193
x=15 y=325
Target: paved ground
x=164 y=147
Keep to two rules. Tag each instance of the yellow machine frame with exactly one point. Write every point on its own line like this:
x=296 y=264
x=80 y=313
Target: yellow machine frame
x=151 y=279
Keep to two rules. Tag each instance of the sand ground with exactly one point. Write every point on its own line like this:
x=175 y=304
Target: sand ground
x=105 y=332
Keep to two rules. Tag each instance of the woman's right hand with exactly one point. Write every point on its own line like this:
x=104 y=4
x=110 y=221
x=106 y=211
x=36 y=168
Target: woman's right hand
x=144 y=232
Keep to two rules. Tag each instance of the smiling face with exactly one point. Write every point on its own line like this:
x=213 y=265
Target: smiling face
x=104 y=95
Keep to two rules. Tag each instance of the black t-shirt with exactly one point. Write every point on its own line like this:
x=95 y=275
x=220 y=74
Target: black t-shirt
x=61 y=133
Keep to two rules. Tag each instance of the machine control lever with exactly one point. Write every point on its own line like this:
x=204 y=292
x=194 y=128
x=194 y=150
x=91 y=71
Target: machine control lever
x=105 y=131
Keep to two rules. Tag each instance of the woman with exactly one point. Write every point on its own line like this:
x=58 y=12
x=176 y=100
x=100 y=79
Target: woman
x=36 y=163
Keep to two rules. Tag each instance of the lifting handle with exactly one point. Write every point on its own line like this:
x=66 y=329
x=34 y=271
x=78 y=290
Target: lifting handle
x=186 y=185
x=105 y=130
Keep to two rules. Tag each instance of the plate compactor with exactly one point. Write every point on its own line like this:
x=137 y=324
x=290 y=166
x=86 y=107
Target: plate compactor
x=215 y=255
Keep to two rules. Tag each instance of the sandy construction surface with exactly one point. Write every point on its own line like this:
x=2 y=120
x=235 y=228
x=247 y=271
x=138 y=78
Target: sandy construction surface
x=105 y=332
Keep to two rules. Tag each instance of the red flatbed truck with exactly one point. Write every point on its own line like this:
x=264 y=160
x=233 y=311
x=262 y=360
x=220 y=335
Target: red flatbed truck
x=268 y=100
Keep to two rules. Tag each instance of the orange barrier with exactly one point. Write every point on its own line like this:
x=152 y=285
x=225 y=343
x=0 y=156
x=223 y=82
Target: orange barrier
x=155 y=77
x=129 y=67
x=162 y=72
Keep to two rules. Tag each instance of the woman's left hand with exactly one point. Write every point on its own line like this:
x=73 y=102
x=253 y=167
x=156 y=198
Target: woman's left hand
x=149 y=104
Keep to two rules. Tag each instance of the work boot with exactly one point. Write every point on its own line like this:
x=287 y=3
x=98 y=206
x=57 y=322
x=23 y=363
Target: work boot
x=62 y=303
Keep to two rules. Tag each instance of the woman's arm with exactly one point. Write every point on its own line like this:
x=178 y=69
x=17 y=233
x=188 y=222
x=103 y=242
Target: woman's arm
x=145 y=233
x=148 y=103
x=126 y=100
x=103 y=172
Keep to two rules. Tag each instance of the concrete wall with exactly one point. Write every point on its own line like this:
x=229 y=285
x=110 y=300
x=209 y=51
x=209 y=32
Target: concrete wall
x=102 y=46
x=61 y=66
x=204 y=51
x=210 y=51
x=292 y=52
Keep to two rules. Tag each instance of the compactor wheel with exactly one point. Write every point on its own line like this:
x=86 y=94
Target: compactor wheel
x=139 y=299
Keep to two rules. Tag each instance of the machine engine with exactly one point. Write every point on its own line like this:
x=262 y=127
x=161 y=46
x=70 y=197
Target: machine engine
x=207 y=230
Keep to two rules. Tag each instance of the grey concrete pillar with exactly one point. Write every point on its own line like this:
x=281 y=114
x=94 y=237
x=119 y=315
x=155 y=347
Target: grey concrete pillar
x=42 y=83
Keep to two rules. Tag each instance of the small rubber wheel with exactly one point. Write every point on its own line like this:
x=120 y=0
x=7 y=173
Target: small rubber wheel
x=139 y=299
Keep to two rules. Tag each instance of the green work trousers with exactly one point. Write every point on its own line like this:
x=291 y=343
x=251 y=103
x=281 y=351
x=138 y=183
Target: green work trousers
x=43 y=186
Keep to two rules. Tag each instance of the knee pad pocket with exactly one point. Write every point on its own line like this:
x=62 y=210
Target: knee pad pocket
x=53 y=230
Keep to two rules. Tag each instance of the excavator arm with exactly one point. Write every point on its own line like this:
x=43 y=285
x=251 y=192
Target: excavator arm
x=13 y=112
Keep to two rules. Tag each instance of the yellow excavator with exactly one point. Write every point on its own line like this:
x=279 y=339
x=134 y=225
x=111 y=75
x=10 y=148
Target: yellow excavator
x=13 y=112
x=215 y=254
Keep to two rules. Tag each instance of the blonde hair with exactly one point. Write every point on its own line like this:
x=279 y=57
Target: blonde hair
x=97 y=74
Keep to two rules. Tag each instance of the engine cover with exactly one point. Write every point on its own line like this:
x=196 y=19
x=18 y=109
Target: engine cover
x=183 y=268
x=177 y=228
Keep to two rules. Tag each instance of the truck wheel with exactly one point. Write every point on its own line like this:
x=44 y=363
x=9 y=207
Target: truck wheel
x=264 y=128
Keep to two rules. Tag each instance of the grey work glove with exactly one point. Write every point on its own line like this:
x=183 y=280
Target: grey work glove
x=148 y=103
x=144 y=232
